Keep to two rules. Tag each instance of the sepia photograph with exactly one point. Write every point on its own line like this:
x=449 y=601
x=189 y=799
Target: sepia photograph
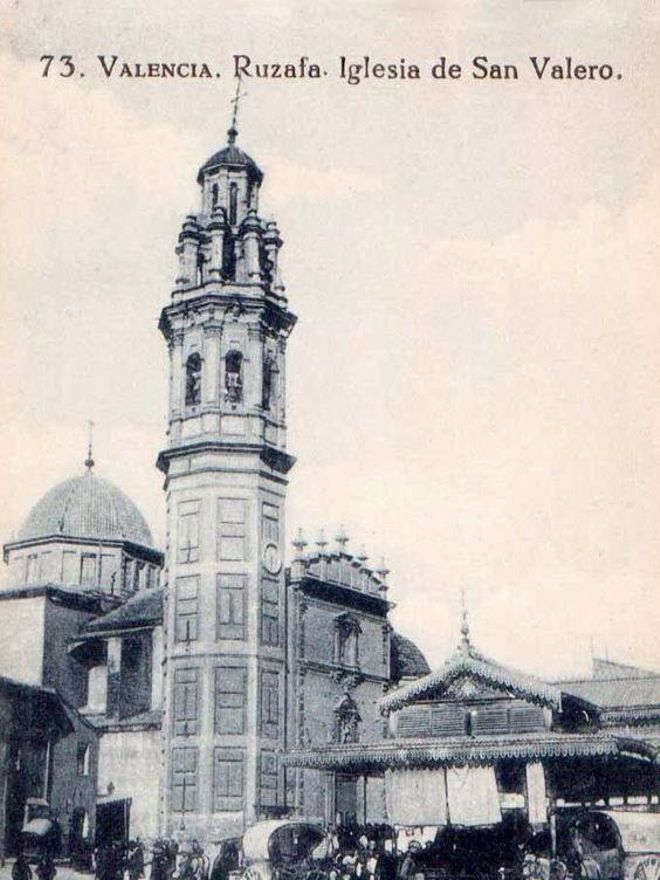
x=331 y=440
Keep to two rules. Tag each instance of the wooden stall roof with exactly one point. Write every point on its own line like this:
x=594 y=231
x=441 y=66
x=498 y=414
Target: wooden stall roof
x=461 y=751
x=468 y=661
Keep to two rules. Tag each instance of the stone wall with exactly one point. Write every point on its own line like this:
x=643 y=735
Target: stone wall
x=129 y=767
x=22 y=638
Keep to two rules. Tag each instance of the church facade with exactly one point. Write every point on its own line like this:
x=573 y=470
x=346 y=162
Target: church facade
x=184 y=676
x=191 y=691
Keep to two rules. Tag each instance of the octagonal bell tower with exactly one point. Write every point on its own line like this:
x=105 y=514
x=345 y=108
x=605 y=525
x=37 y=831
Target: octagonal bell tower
x=225 y=466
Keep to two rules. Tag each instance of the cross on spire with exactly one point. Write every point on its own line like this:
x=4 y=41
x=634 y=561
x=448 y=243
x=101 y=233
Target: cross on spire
x=89 y=461
x=233 y=131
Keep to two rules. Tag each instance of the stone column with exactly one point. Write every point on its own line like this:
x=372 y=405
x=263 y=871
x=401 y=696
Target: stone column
x=189 y=241
x=217 y=230
x=176 y=371
x=281 y=385
x=211 y=371
x=157 y=667
x=253 y=368
x=251 y=237
x=273 y=243
x=113 y=699
x=330 y=797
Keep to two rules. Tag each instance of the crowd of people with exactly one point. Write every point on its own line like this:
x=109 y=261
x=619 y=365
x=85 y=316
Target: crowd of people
x=44 y=870
x=358 y=851
x=347 y=851
x=117 y=861
x=379 y=852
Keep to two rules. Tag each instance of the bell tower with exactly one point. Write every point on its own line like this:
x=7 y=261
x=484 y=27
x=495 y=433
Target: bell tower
x=225 y=464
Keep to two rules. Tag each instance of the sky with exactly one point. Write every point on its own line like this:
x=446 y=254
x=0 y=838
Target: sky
x=473 y=380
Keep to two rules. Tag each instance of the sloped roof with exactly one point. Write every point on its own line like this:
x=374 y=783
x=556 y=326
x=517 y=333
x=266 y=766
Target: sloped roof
x=39 y=706
x=468 y=661
x=143 y=609
x=609 y=669
x=617 y=692
x=406 y=660
x=149 y=719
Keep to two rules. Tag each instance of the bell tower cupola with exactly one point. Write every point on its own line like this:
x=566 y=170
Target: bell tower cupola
x=228 y=320
x=225 y=463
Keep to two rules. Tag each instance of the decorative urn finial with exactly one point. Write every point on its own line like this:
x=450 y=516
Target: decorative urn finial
x=299 y=542
x=341 y=538
x=89 y=461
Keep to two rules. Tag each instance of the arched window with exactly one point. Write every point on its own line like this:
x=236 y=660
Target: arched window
x=233 y=203
x=199 y=277
x=193 y=379
x=347 y=631
x=214 y=195
x=270 y=368
x=83 y=755
x=234 y=376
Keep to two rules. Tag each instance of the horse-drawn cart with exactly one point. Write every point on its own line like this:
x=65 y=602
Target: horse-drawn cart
x=280 y=849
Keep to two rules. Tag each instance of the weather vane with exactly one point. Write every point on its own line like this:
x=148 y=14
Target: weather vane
x=89 y=461
x=235 y=101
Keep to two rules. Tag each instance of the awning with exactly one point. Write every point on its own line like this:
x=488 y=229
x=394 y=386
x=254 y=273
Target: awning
x=461 y=751
x=464 y=796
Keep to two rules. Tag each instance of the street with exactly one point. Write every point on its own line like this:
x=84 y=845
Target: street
x=64 y=872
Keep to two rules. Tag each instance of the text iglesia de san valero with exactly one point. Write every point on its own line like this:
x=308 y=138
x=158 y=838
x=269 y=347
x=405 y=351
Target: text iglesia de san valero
x=191 y=693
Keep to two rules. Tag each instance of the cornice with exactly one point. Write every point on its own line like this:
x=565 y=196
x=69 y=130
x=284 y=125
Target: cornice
x=277 y=459
x=148 y=553
x=341 y=673
x=86 y=601
x=339 y=594
x=252 y=298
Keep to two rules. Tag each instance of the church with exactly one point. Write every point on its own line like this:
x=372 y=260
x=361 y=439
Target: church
x=168 y=685
x=191 y=690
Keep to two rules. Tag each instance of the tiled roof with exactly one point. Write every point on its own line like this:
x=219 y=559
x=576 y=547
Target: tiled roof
x=150 y=719
x=616 y=693
x=38 y=705
x=609 y=669
x=143 y=609
x=233 y=156
x=406 y=660
x=86 y=507
x=468 y=661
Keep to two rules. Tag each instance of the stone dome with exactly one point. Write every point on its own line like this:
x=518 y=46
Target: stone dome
x=406 y=660
x=88 y=508
x=233 y=157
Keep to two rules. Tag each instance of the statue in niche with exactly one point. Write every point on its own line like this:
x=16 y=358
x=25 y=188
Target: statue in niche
x=234 y=377
x=270 y=368
x=193 y=380
x=348 y=721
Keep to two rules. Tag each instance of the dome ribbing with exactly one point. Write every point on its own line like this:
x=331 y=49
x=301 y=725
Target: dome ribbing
x=88 y=508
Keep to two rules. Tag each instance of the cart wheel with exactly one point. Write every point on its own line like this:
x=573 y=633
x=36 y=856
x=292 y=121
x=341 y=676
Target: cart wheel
x=251 y=873
x=648 y=869
x=558 y=870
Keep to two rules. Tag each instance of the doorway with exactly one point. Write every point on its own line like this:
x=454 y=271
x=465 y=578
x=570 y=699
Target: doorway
x=113 y=821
